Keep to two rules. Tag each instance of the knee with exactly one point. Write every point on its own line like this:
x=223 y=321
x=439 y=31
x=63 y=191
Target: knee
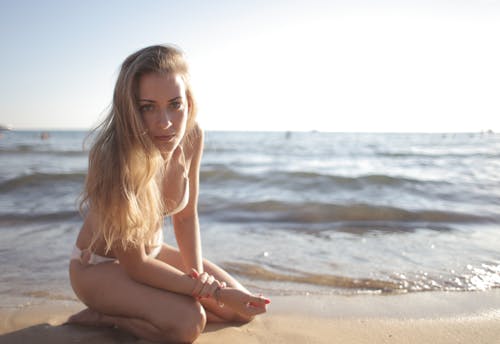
x=190 y=325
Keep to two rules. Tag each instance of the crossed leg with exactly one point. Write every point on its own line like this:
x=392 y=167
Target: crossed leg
x=114 y=299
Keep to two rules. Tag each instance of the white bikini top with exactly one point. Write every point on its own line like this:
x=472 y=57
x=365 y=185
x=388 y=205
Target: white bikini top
x=185 y=199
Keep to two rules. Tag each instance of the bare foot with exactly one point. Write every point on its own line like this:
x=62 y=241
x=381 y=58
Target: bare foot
x=88 y=317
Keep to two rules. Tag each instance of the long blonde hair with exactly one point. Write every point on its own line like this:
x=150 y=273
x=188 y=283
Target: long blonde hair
x=122 y=186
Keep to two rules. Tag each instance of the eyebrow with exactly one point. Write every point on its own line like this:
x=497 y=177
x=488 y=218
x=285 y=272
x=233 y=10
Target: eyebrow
x=152 y=101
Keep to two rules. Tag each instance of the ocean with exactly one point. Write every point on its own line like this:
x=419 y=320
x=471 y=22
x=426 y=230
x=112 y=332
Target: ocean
x=286 y=213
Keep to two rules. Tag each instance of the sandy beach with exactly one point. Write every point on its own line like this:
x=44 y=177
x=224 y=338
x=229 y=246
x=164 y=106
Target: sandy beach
x=461 y=317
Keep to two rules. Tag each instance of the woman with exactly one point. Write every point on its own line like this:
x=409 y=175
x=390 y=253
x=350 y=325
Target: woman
x=144 y=165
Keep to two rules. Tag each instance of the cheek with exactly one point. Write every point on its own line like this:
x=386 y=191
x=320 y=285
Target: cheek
x=184 y=118
x=148 y=123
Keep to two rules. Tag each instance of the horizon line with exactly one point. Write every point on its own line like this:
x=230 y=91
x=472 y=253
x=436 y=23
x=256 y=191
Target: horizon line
x=483 y=131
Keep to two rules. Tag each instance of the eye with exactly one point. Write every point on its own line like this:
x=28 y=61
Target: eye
x=177 y=105
x=146 y=108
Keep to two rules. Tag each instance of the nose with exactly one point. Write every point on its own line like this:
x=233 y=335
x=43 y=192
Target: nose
x=164 y=121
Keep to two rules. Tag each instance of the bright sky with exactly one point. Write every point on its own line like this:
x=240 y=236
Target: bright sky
x=347 y=65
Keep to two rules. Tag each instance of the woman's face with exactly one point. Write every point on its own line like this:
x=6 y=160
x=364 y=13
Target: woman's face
x=164 y=109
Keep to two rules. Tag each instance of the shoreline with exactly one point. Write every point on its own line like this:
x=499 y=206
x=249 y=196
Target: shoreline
x=437 y=317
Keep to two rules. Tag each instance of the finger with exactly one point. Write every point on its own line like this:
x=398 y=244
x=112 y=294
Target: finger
x=260 y=300
x=214 y=286
x=202 y=291
x=197 y=289
x=207 y=290
x=208 y=281
x=211 y=290
x=221 y=285
x=203 y=278
x=194 y=273
x=257 y=305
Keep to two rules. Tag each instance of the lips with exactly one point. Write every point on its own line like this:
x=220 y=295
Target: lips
x=164 y=138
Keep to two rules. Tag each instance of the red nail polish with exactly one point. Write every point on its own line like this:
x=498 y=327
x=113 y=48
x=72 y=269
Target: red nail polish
x=267 y=301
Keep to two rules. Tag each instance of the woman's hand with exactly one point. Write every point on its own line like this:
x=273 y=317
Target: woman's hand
x=206 y=285
x=242 y=302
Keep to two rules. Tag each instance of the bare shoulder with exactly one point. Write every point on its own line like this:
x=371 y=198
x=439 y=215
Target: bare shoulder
x=89 y=219
x=89 y=224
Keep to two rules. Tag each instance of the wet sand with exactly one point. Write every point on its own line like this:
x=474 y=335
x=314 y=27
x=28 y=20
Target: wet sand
x=460 y=317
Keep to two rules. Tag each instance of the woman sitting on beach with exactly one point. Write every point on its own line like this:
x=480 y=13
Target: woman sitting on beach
x=144 y=165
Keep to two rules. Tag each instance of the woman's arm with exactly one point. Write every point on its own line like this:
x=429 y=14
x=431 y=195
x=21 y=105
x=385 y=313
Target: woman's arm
x=186 y=224
x=154 y=272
